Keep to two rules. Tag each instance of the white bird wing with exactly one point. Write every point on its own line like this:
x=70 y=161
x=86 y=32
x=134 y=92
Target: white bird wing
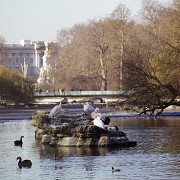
x=94 y=115
x=91 y=108
x=98 y=122
x=54 y=111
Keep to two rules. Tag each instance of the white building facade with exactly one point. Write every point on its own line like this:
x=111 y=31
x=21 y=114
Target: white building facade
x=27 y=53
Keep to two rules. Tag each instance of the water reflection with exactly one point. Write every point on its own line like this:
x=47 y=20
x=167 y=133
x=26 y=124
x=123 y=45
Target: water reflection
x=157 y=155
x=47 y=151
x=154 y=135
x=142 y=123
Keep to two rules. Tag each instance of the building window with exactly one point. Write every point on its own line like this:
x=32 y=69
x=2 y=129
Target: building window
x=10 y=60
x=13 y=54
x=17 y=61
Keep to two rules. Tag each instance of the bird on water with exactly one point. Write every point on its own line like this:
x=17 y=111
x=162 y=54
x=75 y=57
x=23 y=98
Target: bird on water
x=57 y=167
x=19 y=142
x=115 y=170
x=25 y=163
x=88 y=169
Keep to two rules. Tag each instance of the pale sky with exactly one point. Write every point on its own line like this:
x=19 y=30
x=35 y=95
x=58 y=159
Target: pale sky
x=39 y=20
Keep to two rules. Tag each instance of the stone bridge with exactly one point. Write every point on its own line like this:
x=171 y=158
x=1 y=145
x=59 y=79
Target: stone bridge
x=102 y=96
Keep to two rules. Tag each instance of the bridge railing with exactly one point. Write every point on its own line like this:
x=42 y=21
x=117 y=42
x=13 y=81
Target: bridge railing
x=80 y=93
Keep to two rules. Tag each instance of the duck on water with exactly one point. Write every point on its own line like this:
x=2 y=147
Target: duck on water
x=115 y=170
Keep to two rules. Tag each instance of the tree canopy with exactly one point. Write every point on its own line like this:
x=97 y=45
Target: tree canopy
x=14 y=88
x=154 y=66
x=118 y=53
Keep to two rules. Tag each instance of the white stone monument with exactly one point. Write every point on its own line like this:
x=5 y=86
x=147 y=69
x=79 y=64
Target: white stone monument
x=24 y=68
x=45 y=70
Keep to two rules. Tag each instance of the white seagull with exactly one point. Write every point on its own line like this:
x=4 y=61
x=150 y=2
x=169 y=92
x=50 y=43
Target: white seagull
x=88 y=109
x=96 y=113
x=55 y=110
x=98 y=122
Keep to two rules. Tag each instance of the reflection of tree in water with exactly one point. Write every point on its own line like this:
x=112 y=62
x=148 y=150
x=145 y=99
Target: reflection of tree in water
x=172 y=135
x=153 y=135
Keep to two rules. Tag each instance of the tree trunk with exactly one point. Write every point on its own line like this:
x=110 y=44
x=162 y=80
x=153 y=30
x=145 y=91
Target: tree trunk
x=103 y=69
x=121 y=60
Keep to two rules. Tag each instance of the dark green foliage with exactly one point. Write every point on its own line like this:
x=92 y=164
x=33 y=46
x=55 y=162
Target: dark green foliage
x=14 y=88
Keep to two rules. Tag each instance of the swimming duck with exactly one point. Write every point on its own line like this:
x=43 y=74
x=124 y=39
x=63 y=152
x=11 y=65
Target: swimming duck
x=115 y=170
x=57 y=167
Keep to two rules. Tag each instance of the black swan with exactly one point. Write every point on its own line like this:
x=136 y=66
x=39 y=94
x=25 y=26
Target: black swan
x=24 y=163
x=115 y=170
x=19 y=142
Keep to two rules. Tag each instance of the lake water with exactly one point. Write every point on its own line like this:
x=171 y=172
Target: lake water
x=157 y=155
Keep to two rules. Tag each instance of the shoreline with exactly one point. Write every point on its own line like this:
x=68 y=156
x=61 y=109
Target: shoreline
x=25 y=113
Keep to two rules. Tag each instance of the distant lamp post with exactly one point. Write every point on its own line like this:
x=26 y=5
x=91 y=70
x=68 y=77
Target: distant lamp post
x=24 y=68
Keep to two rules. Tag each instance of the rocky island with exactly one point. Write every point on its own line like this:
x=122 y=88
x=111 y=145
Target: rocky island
x=66 y=128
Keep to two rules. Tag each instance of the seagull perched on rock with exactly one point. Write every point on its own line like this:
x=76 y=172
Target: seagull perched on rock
x=88 y=108
x=98 y=122
x=56 y=109
x=96 y=113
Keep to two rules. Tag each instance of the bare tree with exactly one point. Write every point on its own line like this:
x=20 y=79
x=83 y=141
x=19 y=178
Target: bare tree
x=97 y=43
x=119 y=19
x=153 y=66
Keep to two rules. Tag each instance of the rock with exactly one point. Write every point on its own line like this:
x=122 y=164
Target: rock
x=53 y=142
x=39 y=133
x=81 y=142
x=64 y=129
x=68 y=141
x=60 y=135
x=72 y=130
x=40 y=119
x=91 y=142
x=46 y=138
x=87 y=142
x=104 y=141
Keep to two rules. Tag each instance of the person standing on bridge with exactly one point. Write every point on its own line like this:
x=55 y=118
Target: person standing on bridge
x=58 y=91
x=40 y=91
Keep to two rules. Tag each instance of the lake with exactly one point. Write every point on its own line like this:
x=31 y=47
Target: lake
x=157 y=155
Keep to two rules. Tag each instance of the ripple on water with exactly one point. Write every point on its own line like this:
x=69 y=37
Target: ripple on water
x=156 y=156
